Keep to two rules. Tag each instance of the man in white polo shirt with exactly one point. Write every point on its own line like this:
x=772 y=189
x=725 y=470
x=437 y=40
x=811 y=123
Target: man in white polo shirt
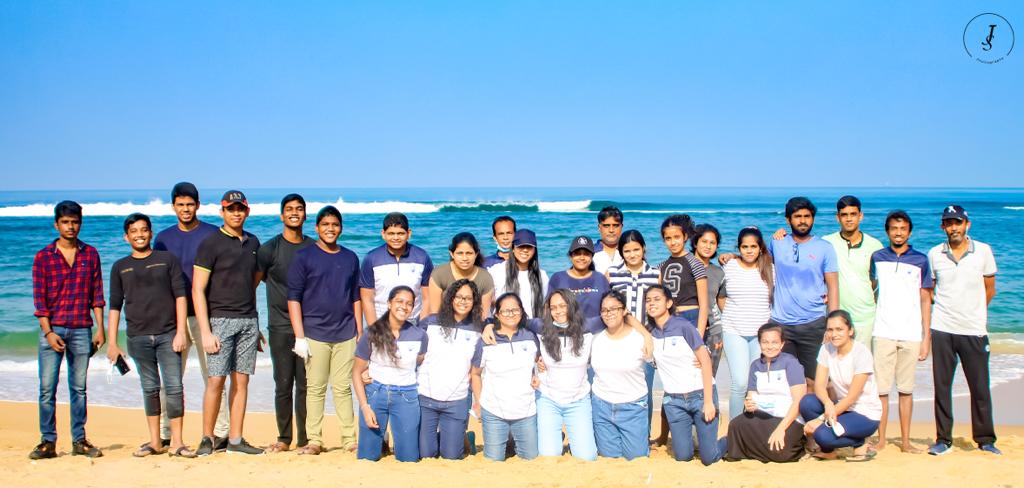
x=965 y=282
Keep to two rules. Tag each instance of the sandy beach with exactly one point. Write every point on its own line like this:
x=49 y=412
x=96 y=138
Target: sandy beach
x=118 y=430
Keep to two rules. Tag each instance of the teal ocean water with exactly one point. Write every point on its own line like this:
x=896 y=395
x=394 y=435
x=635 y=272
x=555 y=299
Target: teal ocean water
x=555 y=214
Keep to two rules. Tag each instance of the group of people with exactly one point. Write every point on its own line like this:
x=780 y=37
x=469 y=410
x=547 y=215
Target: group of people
x=816 y=332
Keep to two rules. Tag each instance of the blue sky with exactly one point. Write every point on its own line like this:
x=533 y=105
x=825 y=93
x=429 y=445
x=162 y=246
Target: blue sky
x=107 y=95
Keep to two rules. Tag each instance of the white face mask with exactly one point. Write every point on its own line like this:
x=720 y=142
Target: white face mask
x=560 y=325
x=504 y=249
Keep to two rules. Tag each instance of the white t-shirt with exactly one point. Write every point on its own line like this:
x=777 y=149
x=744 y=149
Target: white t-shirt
x=841 y=371
x=618 y=367
x=507 y=373
x=498 y=274
x=746 y=303
x=960 y=304
x=444 y=374
x=603 y=261
x=565 y=381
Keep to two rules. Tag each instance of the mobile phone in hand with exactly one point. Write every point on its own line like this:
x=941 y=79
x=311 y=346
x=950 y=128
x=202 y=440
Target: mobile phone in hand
x=121 y=365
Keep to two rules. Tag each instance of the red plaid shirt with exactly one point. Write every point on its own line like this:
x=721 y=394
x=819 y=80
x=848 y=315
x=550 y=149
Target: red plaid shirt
x=67 y=294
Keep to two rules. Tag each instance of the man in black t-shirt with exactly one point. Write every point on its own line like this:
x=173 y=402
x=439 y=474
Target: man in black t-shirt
x=150 y=286
x=273 y=260
x=224 y=284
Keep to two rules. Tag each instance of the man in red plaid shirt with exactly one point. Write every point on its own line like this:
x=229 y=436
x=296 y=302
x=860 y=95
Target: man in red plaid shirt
x=67 y=285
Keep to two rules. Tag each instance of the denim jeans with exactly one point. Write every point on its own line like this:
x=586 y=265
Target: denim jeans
x=620 y=429
x=578 y=419
x=77 y=344
x=649 y=371
x=740 y=351
x=443 y=427
x=686 y=412
x=154 y=358
x=496 y=433
x=858 y=427
x=401 y=406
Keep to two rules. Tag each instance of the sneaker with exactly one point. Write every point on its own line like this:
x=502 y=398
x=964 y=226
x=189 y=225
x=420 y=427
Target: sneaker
x=85 y=448
x=991 y=448
x=205 y=447
x=45 y=450
x=243 y=447
x=940 y=448
x=220 y=444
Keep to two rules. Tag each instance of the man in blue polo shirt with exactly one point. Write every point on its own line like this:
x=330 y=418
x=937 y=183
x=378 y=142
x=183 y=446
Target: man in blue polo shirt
x=806 y=285
x=504 y=230
x=964 y=270
x=395 y=263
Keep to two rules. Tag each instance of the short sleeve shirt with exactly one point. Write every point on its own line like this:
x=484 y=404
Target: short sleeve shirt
x=960 y=303
x=587 y=290
x=679 y=275
x=855 y=292
x=411 y=342
x=231 y=262
x=381 y=271
x=675 y=349
x=900 y=279
x=273 y=259
x=618 y=367
x=841 y=371
x=604 y=261
x=772 y=381
x=800 y=292
x=525 y=292
x=565 y=381
x=444 y=374
x=507 y=370
x=327 y=286
x=184 y=246
x=443 y=278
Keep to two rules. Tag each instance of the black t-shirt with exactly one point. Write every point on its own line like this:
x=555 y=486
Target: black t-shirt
x=231 y=262
x=679 y=275
x=147 y=289
x=273 y=260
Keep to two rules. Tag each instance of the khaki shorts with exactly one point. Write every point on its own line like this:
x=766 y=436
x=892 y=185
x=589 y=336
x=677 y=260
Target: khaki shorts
x=895 y=361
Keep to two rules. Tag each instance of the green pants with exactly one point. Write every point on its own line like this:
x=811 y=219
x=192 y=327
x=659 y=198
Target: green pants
x=330 y=362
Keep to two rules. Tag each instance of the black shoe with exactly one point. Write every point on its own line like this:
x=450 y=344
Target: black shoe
x=220 y=444
x=85 y=448
x=45 y=450
x=205 y=447
x=243 y=447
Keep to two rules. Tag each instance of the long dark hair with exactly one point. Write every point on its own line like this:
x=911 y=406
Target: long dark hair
x=379 y=333
x=533 y=271
x=468 y=238
x=651 y=324
x=552 y=335
x=446 y=315
x=764 y=259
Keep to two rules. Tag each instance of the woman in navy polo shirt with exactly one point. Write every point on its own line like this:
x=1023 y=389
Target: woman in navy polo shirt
x=444 y=375
x=691 y=401
x=767 y=429
x=390 y=349
x=503 y=383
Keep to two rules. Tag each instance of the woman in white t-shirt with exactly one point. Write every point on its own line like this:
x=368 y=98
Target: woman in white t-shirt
x=748 y=286
x=521 y=274
x=844 y=409
x=619 y=395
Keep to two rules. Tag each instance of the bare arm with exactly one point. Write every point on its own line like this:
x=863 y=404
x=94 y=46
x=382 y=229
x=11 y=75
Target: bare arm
x=432 y=299
x=710 y=410
x=856 y=388
x=99 y=337
x=990 y=289
x=295 y=317
x=926 y=324
x=427 y=302
x=358 y=369
x=721 y=303
x=702 y=306
x=476 y=383
x=832 y=282
x=366 y=295
x=200 y=280
x=181 y=315
x=485 y=304
x=357 y=312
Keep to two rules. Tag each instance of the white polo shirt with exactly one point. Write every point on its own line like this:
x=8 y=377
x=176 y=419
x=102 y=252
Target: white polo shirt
x=619 y=367
x=381 y=271
x=900 y=279
x=602 y=261
x=507 y=374
x=444 y=374
x=565 y=381
x=675 y=348
x=960 y=304
x=412 y=341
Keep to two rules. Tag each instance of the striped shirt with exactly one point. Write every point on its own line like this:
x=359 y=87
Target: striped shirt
x=746 y=302
x=633 y=287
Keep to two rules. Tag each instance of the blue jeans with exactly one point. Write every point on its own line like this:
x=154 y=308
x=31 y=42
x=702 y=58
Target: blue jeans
x=686 y=412
x=649 y=371
x=578 y=419
x=444 y=423
x=740 y=351
x=497 y=429
x=858 y=427
x=150 y=352
x=401 y=406
x=77 y=345
x=621 y=428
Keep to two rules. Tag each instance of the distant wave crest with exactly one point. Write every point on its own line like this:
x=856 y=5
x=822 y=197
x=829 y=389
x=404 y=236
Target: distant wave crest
x=1013 y=208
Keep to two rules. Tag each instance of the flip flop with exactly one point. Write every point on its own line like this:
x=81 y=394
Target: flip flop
x=182 y=452
x=145 y=450
x=310 y=450
x=862 y=458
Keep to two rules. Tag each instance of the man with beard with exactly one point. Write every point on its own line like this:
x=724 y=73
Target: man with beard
x=965 y=282
x=606 y=253
x=806 y=285
x=273 y=260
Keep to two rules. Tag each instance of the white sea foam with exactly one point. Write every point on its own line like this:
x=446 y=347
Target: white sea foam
x=1013 y=208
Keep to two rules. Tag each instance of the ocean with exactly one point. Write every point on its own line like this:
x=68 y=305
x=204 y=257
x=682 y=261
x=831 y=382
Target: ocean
x=555 y=214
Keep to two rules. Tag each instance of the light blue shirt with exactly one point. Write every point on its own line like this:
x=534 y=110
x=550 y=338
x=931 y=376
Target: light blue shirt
x=800 y=292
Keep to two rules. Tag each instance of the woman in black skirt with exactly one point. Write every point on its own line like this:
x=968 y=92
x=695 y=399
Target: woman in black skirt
x=767 y=430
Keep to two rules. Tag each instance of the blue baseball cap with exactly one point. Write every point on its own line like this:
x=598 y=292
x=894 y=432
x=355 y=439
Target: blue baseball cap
x=525 y=237
x=954 y=212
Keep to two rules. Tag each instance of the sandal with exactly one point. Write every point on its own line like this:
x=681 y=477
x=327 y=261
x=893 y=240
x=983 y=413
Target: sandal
x=310 y=449
x=861 y=458
x=277 y=447
x=146 y=450
x=182 y=452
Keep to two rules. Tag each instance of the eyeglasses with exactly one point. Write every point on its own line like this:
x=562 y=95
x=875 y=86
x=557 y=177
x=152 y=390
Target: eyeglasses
x=610 y=311
x=462 y=298
x=510 y=312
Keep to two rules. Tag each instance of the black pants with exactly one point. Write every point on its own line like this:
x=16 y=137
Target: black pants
x=289 y=377
x=804 y=342
x=972 y=352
